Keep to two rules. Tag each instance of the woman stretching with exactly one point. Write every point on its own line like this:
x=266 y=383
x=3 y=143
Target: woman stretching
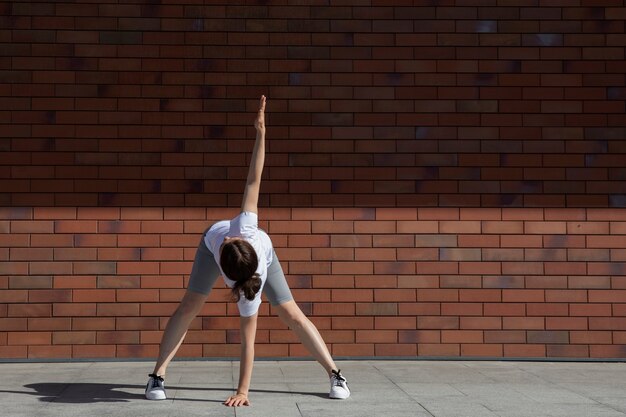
x=243 y=254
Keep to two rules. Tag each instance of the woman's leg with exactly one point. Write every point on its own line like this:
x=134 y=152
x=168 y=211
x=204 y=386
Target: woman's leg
x=176 y=328
x=308 y=334
x=204 y=273
x=277 y=291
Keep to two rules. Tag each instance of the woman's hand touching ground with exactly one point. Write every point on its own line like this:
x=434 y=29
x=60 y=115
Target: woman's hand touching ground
x=237 y=400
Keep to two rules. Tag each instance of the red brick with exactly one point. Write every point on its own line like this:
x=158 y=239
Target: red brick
x=74 y=281
x=29 y=338
x=28 y=310
x=433 y=268
x=16 y=324
x=480 y=241
x=504 y=309
x=416 y=226
x=547 y=309
x=75 y=226
x=98 y=241
x=140 y=240
x=541 y=281
x=396 y=214
x=43 y=296
x=619 y=337
x=352 y=323
x=38 y=226
x=377 y=281
x=355 y=295
x=522 y=268
x=566 y=323
x=437 y=295
x=426 y=322
x=588 y=228
x=334 y=309
x=481 y=350
x=564 y=214
x=117 y=309
x=303 y=294
x=426 y=213
x=93 y=351
x=502 y=227
x=571 y=351
x=15 y=352
x=547 y=336
x=92 y=323
x=616 y=241
x=379 y=226
x=436 y=349
x=522 y=295
x=524 y=350
x=49 y=352
x=376 y=336
x=459 y=226
x=480 y=295
x=521 y=241
x=351 y=241
x=354 y=268
x=461 y=336
x=396 y=349
x=73 y=309
x=571 y=296
x=419 y=336
x=416 y=309
x=523 y=323
x=376 y=254
x=339 y=226
x=333 y=281
x=587 y=337
x=403 y=323
x=482 y=268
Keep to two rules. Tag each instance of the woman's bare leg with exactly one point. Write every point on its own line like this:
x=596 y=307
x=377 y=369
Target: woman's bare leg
x=308 y=334
x=176 y=329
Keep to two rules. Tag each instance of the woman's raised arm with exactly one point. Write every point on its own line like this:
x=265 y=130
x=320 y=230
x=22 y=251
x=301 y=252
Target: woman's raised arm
x=253 y=183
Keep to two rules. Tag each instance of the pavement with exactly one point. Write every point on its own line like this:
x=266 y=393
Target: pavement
x=300 y=388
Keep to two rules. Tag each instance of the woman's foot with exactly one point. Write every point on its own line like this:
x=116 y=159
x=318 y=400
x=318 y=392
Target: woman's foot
x=155 y=389
x=338 y=386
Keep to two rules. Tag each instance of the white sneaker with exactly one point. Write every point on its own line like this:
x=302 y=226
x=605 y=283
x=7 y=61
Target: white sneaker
x=155 y=390
x=338 y=386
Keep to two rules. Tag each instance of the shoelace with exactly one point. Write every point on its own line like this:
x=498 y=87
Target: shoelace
x=338 y=377
x=155 y=378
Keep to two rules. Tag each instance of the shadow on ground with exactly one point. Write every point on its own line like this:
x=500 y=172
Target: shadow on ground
x=93 y=393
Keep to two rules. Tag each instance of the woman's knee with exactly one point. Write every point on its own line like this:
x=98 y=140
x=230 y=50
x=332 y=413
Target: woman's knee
x=191 y=304
x=291 y=314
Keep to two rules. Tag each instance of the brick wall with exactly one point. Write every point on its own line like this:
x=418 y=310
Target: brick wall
x=442 y=178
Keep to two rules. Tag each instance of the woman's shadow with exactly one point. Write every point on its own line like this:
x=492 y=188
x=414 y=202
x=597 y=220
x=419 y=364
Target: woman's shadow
x=79 y=392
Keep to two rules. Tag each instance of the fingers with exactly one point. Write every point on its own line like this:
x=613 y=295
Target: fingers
x=237 y=401
x=262 y=104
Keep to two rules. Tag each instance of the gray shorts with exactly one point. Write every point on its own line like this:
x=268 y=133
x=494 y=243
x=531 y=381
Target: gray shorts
x=205 y=271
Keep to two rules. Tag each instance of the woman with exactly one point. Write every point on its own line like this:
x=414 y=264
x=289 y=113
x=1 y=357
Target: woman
x=249 y=265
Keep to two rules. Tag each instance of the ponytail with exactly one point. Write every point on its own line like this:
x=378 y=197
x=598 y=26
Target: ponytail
x=239 y=262
x=249 y=288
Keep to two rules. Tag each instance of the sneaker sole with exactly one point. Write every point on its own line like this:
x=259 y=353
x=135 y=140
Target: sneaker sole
x=336 y=397
x=155 y=396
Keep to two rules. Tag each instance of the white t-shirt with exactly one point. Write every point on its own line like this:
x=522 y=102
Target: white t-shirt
x=246 y=226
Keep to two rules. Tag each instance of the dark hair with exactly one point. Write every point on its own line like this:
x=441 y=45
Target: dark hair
x=239 y=262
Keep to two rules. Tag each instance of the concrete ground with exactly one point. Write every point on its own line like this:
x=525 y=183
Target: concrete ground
x=300 y=388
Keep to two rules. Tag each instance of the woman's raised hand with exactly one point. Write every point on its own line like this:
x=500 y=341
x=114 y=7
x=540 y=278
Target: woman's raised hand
x=259 y=122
